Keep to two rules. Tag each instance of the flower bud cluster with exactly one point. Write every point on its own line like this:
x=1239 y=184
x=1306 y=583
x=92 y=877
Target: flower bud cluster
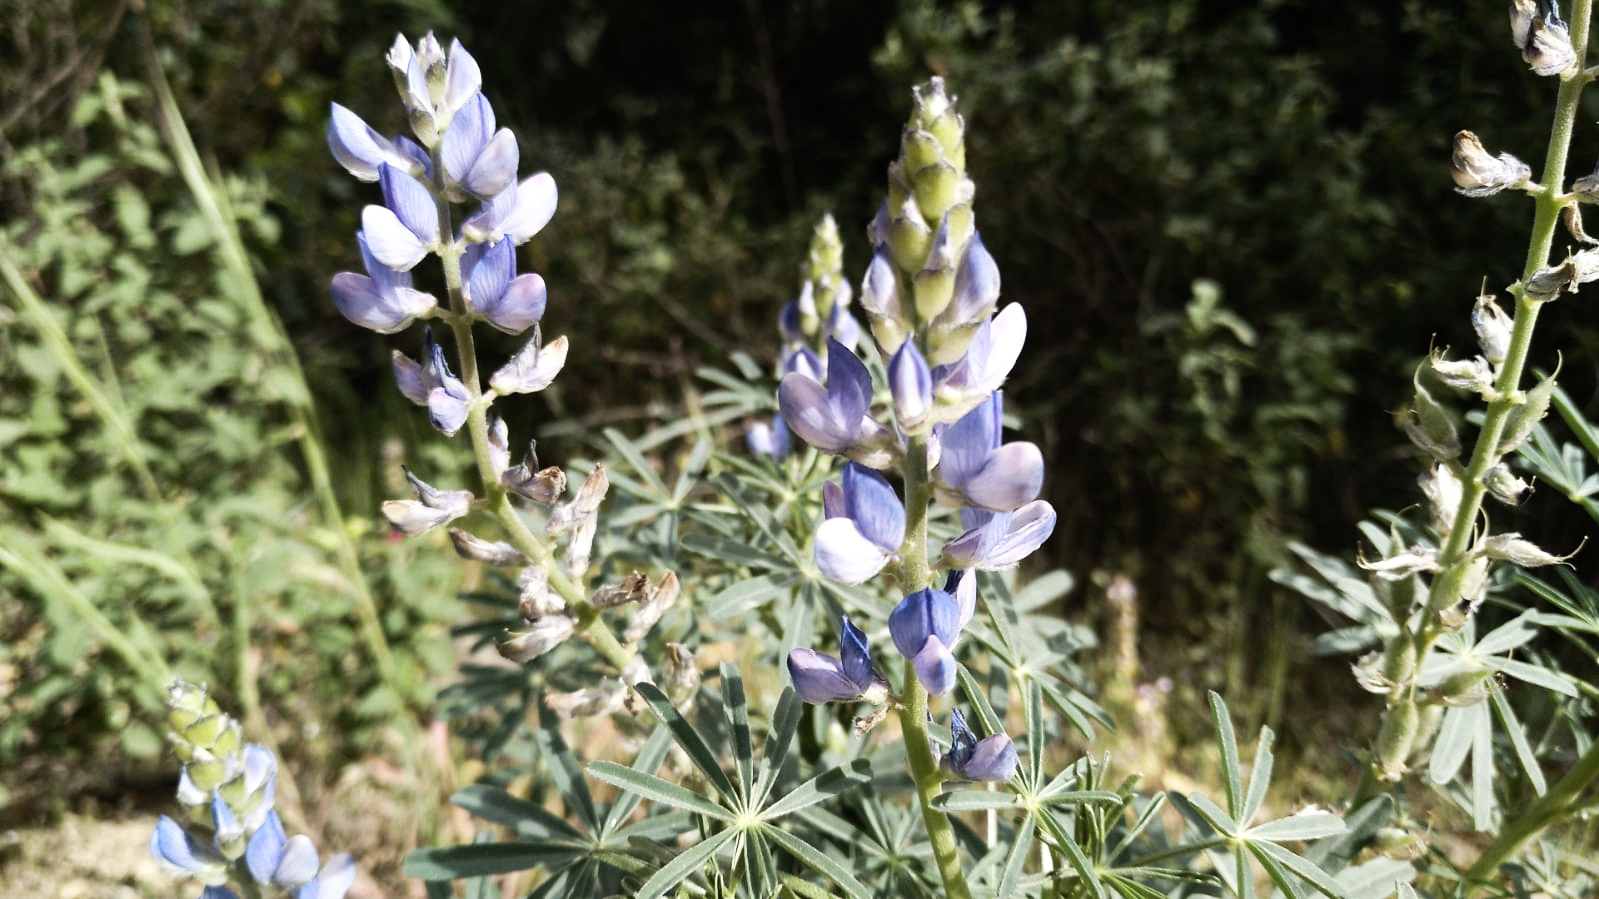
x=229 y=786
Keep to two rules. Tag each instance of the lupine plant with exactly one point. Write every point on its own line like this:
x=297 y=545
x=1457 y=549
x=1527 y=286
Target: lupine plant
x=854 y=578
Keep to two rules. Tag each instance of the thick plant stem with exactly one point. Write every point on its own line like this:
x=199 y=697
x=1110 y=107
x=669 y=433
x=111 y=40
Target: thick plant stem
x=915 y=573
x=1555 y=804
x=1454 y=555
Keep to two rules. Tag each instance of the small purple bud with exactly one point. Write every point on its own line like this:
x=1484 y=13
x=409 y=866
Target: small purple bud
x=805 y=361
x=510 y=302
x=462 y=81
x=769 y=440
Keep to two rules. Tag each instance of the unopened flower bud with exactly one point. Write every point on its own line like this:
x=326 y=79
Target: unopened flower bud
x=1493 y=328
x=910 y=383
x=1505 y=485
x=1478 y=174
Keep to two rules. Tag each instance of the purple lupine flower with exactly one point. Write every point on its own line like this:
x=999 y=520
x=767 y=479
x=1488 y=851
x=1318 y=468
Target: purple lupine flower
x=510 y=302
x=430 y=383
x=769 y=440
x=925 y=626
x=291 y=863
x=518 y=212
x=478 y=160
x=991 y=759
x=989 y=359
x=974 y=469
x=995 y=540
x=361 y=150
x=911 y=385
x=402 y=231
x=834 y=418
x=820 y=678
x=382 y=300
x=864 y=528
x=178 y=852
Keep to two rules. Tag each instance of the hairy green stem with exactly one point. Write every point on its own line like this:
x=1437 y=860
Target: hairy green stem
x=915 y=573
x=1454 y=556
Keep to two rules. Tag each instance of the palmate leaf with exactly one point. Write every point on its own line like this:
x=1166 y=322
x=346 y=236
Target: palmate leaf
x=737 y=814
x=1259 y=843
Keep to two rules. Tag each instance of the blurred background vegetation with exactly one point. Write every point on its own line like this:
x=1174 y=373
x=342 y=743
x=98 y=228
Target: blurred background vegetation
x=1231 y=225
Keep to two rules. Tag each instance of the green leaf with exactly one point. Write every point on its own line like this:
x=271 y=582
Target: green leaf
x=1302 y=868
x=817 y=861
x=820 y=788
x=527 y=819
x=733 y=704
x=1454 y=741
x=1306 y=826
x=693 y=744
x=1518 y=741
x=682 y=866
x=785 y=721
x=1259 y=778
x=1228 y=741
x=487 y=859
x=657 y=790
